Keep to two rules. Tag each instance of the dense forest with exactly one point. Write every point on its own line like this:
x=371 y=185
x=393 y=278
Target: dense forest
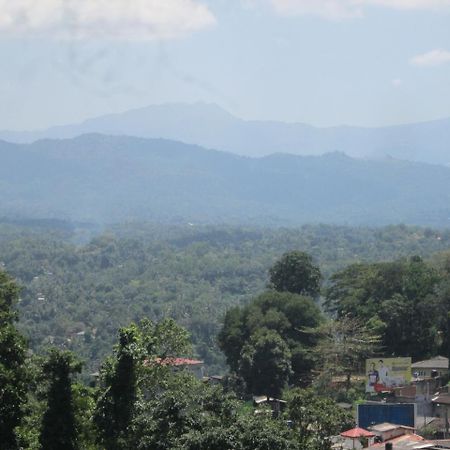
x=282 y=313
x=139 y=401
x=79 y=284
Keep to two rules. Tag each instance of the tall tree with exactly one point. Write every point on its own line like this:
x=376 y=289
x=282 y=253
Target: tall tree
x=316 y=419
x=343 y=346
x=133 y=372
x=295 y=272
x=400 y=296
x=115 y=407
x=289 y=315
x=266 y=363
x=12 y=365
x=58 y=424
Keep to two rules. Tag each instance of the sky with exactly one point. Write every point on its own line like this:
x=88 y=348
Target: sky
x=322 y=62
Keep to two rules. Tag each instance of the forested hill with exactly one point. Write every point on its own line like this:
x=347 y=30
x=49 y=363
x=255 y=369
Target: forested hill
x=76 y=296
x=110 y=179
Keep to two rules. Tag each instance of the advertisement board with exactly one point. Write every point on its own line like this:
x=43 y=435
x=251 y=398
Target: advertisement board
x=384 y=374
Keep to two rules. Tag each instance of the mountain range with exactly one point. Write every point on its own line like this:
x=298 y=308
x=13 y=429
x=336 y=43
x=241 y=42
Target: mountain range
x=210 y=126
x=106 y=179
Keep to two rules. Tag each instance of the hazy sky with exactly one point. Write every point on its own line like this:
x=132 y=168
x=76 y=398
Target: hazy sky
x=324 y=62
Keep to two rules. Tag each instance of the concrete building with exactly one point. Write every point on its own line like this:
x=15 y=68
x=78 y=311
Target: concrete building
x=431 y=368
x=387 y=431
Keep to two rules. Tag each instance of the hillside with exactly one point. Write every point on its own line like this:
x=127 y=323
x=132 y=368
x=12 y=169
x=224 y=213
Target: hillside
x=76 y=296
x=210 y=126
x=111 y=179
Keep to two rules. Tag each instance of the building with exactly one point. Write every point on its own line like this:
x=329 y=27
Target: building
x=192 y=365
x=405 y=442
x=431 y=368
x=356 y=438
x=441 y=409
x=277 y=405
x=387 y=431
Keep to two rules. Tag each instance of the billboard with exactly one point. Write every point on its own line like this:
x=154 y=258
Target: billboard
x=384 y=374
x=399 y=413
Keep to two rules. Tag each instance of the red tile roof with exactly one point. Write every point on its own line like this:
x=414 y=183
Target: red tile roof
x=357 y=433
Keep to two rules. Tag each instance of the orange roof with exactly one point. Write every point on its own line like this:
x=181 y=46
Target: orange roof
x=357 y=433
x=178 y=362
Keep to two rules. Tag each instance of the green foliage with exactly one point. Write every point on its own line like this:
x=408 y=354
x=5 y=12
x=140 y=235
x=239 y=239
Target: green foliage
x=265 y=363
x=399 y=298
x=84 y=406
x=343 y=346
x=185 y=414
x=134 y=373
x=13 y=376
x=58 y=423
x=165 y=339
x=287 y=316
x=115 y=407
x=91 y=286
x=316 y=419
x=296 y=273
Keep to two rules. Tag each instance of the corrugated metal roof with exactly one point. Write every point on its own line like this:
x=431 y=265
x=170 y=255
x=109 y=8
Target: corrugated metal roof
x=439 y=362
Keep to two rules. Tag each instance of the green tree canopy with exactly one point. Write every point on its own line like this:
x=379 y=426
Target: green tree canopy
x=398 y=297
x=316 y=419
x=344 y=344
x=13 y=375
x=284 y=313
x=58 y=423
x=266 y=363
x=132 y=373
x=295 y=272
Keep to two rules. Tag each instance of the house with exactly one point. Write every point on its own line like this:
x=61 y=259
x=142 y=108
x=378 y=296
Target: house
x=277 y=405
x=387 y=431
x=213 y=379
x=192 y=365
x=412 y=442
x=407 y=441
x=431 y=368
x=441 y=407
x=356 y=438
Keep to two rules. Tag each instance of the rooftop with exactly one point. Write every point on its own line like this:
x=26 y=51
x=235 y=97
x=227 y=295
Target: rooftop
x=439 y=362
x=176 y=362
x=386 y=426
x=259 y=399
x=356 y=433
x=407 y=441
x=443 y=399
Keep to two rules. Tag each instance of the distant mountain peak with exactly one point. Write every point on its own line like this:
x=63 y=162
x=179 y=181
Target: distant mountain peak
x=211 y=126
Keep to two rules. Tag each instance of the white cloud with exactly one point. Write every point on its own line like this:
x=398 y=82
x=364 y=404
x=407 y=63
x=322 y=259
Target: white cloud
x=345 y=9
x=433 y=58
x=330 y=9
x=105 y=19
x=396 y=82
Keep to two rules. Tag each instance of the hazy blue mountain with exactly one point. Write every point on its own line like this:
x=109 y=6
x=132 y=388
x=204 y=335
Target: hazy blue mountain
x=110 y=179
x=212 y=127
